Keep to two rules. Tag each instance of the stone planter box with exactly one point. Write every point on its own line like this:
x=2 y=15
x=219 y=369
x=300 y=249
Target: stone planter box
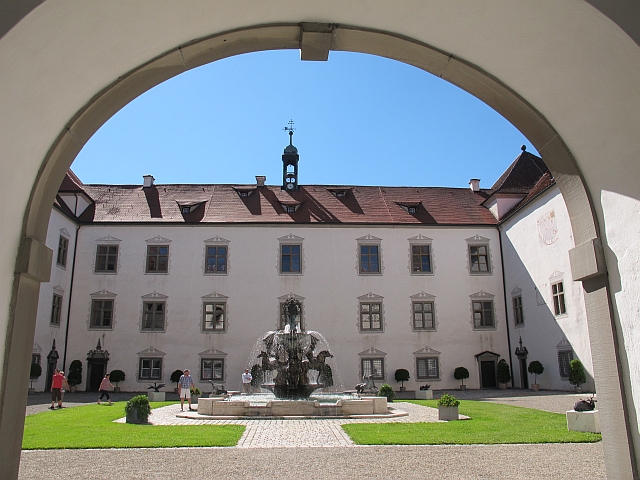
x=583 y=421
x=503 y=386
x=535 y=387
x=156 y=396
x=133 y=417
x=447 y=413
x=463 y=387
x=424 y=394
x=32 y=391
x=405 y=395
x=116 y=389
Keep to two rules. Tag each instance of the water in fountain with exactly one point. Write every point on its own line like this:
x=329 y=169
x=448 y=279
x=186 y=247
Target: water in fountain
x=291 y=362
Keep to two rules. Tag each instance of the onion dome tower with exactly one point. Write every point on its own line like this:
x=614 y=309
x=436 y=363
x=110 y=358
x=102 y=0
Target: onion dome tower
x=290 y=160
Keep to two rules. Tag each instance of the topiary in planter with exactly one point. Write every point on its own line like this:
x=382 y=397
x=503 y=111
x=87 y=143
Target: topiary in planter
x=34 y=374
x=387 y=391
x=175 y=377
x=448 y=407
x=75 y=373
x=577 y=375
x=536 y=369
x=460 y=373
x=117 y=376
x=447 y=400
x=504 y=373
x=402 y=375
x=138 y=409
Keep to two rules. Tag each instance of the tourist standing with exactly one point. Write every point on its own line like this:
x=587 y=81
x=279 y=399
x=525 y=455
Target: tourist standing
x=184 y=388
x=104 y=385
x=246 y=381
x=56 y=389
x=65 y=386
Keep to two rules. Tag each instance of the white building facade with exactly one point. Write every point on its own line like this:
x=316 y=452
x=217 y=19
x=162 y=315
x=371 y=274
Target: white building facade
x=167 y=277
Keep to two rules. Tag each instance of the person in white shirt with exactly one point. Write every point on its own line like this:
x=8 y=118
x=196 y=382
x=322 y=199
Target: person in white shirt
x=246 y=381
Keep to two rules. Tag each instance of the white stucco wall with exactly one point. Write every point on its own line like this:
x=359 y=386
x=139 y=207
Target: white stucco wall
x=535 y=256
x=330 y=285
x=46 y=333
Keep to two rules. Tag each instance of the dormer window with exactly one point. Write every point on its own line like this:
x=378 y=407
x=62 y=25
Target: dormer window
x=244 y=193
x=188 y=206
x=290 y=207
x=411 y=208
x=339 y=193
x=186 y=209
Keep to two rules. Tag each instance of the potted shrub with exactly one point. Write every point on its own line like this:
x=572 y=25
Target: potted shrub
x=117 y=376
x=156 y=395
x=577 y=375
x=424 y=392
x=75 y=375
x=448 y=407
x=387 y=391
x=34 y=374
x=536 y=368
x=138 y=409
x=460 y=373
x=402 y=375
x=504 y=374
x=195 y=393
x=175 y=378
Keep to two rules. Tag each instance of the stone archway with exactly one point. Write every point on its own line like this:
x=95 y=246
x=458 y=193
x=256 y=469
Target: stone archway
x=398 y=41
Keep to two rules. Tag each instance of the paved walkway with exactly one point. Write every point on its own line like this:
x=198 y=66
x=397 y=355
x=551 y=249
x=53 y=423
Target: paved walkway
x=317 y=448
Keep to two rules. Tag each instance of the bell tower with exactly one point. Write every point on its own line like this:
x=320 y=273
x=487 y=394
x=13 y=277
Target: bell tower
x=290 y=160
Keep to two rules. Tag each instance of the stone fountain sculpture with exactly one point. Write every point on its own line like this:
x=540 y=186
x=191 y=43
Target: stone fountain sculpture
x=290 y=353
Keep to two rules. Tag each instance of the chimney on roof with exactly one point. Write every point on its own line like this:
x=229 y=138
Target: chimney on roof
x=260 y=179
x=475 y=184
x=148 y=181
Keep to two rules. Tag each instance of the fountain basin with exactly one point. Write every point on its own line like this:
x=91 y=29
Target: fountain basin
x=293 y=408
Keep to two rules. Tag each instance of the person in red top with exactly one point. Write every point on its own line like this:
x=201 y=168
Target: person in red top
x=56 y=386
x=104 y=385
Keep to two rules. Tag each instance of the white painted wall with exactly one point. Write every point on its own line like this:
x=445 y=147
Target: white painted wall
x=330 y=285
x=59 y=224
x=533 y=254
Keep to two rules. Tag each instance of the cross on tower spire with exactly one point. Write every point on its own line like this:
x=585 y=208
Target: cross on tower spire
x=290 y=129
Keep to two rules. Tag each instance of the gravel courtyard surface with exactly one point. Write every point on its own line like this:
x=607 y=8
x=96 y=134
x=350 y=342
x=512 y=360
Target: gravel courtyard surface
x=310 y=449
x=557 y=461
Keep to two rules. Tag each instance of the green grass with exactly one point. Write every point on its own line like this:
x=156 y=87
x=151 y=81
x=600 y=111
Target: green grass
x=92 y=426
x=490 y=423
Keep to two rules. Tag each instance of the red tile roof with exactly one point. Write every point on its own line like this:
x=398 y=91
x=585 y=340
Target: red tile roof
x=223 y=204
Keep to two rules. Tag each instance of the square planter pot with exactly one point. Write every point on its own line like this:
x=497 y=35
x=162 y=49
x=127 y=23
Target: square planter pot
x=424 y=394
x=463 y=387
x=535 y=387
x=447 y=413
x=156 y=396
x=133 y=417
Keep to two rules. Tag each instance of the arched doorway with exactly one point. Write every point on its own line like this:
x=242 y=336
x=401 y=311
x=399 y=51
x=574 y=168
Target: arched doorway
x=239 y=37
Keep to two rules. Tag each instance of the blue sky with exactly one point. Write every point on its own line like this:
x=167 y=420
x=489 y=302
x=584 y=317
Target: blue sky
x=359 y=119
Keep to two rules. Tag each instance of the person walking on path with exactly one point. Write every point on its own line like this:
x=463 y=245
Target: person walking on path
x=104 y=385
x=65 y=386
x=56 y=389
x=246 y=381
x=184 y=388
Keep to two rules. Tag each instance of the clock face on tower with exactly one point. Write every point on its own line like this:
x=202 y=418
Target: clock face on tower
x=548 y=228
x=289 y=186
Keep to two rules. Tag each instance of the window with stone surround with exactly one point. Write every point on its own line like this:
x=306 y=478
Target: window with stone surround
x=518 y=314
x=212 y=369
x=559 y=306
x=564 y=359
x=157 y=259
x=101 y=314
x=56 y=310
x=153 y=316
x=423 y=315
x=63 y=247
x=373 y=366
x=214 y=316
x=150 y=368
x=106 y=259
x=427 y=368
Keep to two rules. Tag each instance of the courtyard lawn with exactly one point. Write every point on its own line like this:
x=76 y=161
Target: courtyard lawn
x=92 y=426
x=490 y=423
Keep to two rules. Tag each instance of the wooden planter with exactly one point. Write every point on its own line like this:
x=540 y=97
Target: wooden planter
x=447 y=413
x=133 y=417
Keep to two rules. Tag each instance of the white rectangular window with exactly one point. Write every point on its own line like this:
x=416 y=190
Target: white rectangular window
x=56 y=309
x=370 y=316
x=479 y=259
x=517 y=310
x=559 y=305
x=212 y=369
x=153 y=316
x=423 y=316
x=373 y=366
x=216 y=259
x=483 y=314
x=564 y=359
x=290 y=258
x=63 y=247
x=106 y=258
x=421 y=259
x=157 y=259
x=214 y=317
x=369 y=259
x=101 y=313
x=427 y=368
x=150 y=369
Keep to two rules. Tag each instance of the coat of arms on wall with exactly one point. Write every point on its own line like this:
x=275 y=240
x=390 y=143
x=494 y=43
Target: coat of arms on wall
x=548 y=228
